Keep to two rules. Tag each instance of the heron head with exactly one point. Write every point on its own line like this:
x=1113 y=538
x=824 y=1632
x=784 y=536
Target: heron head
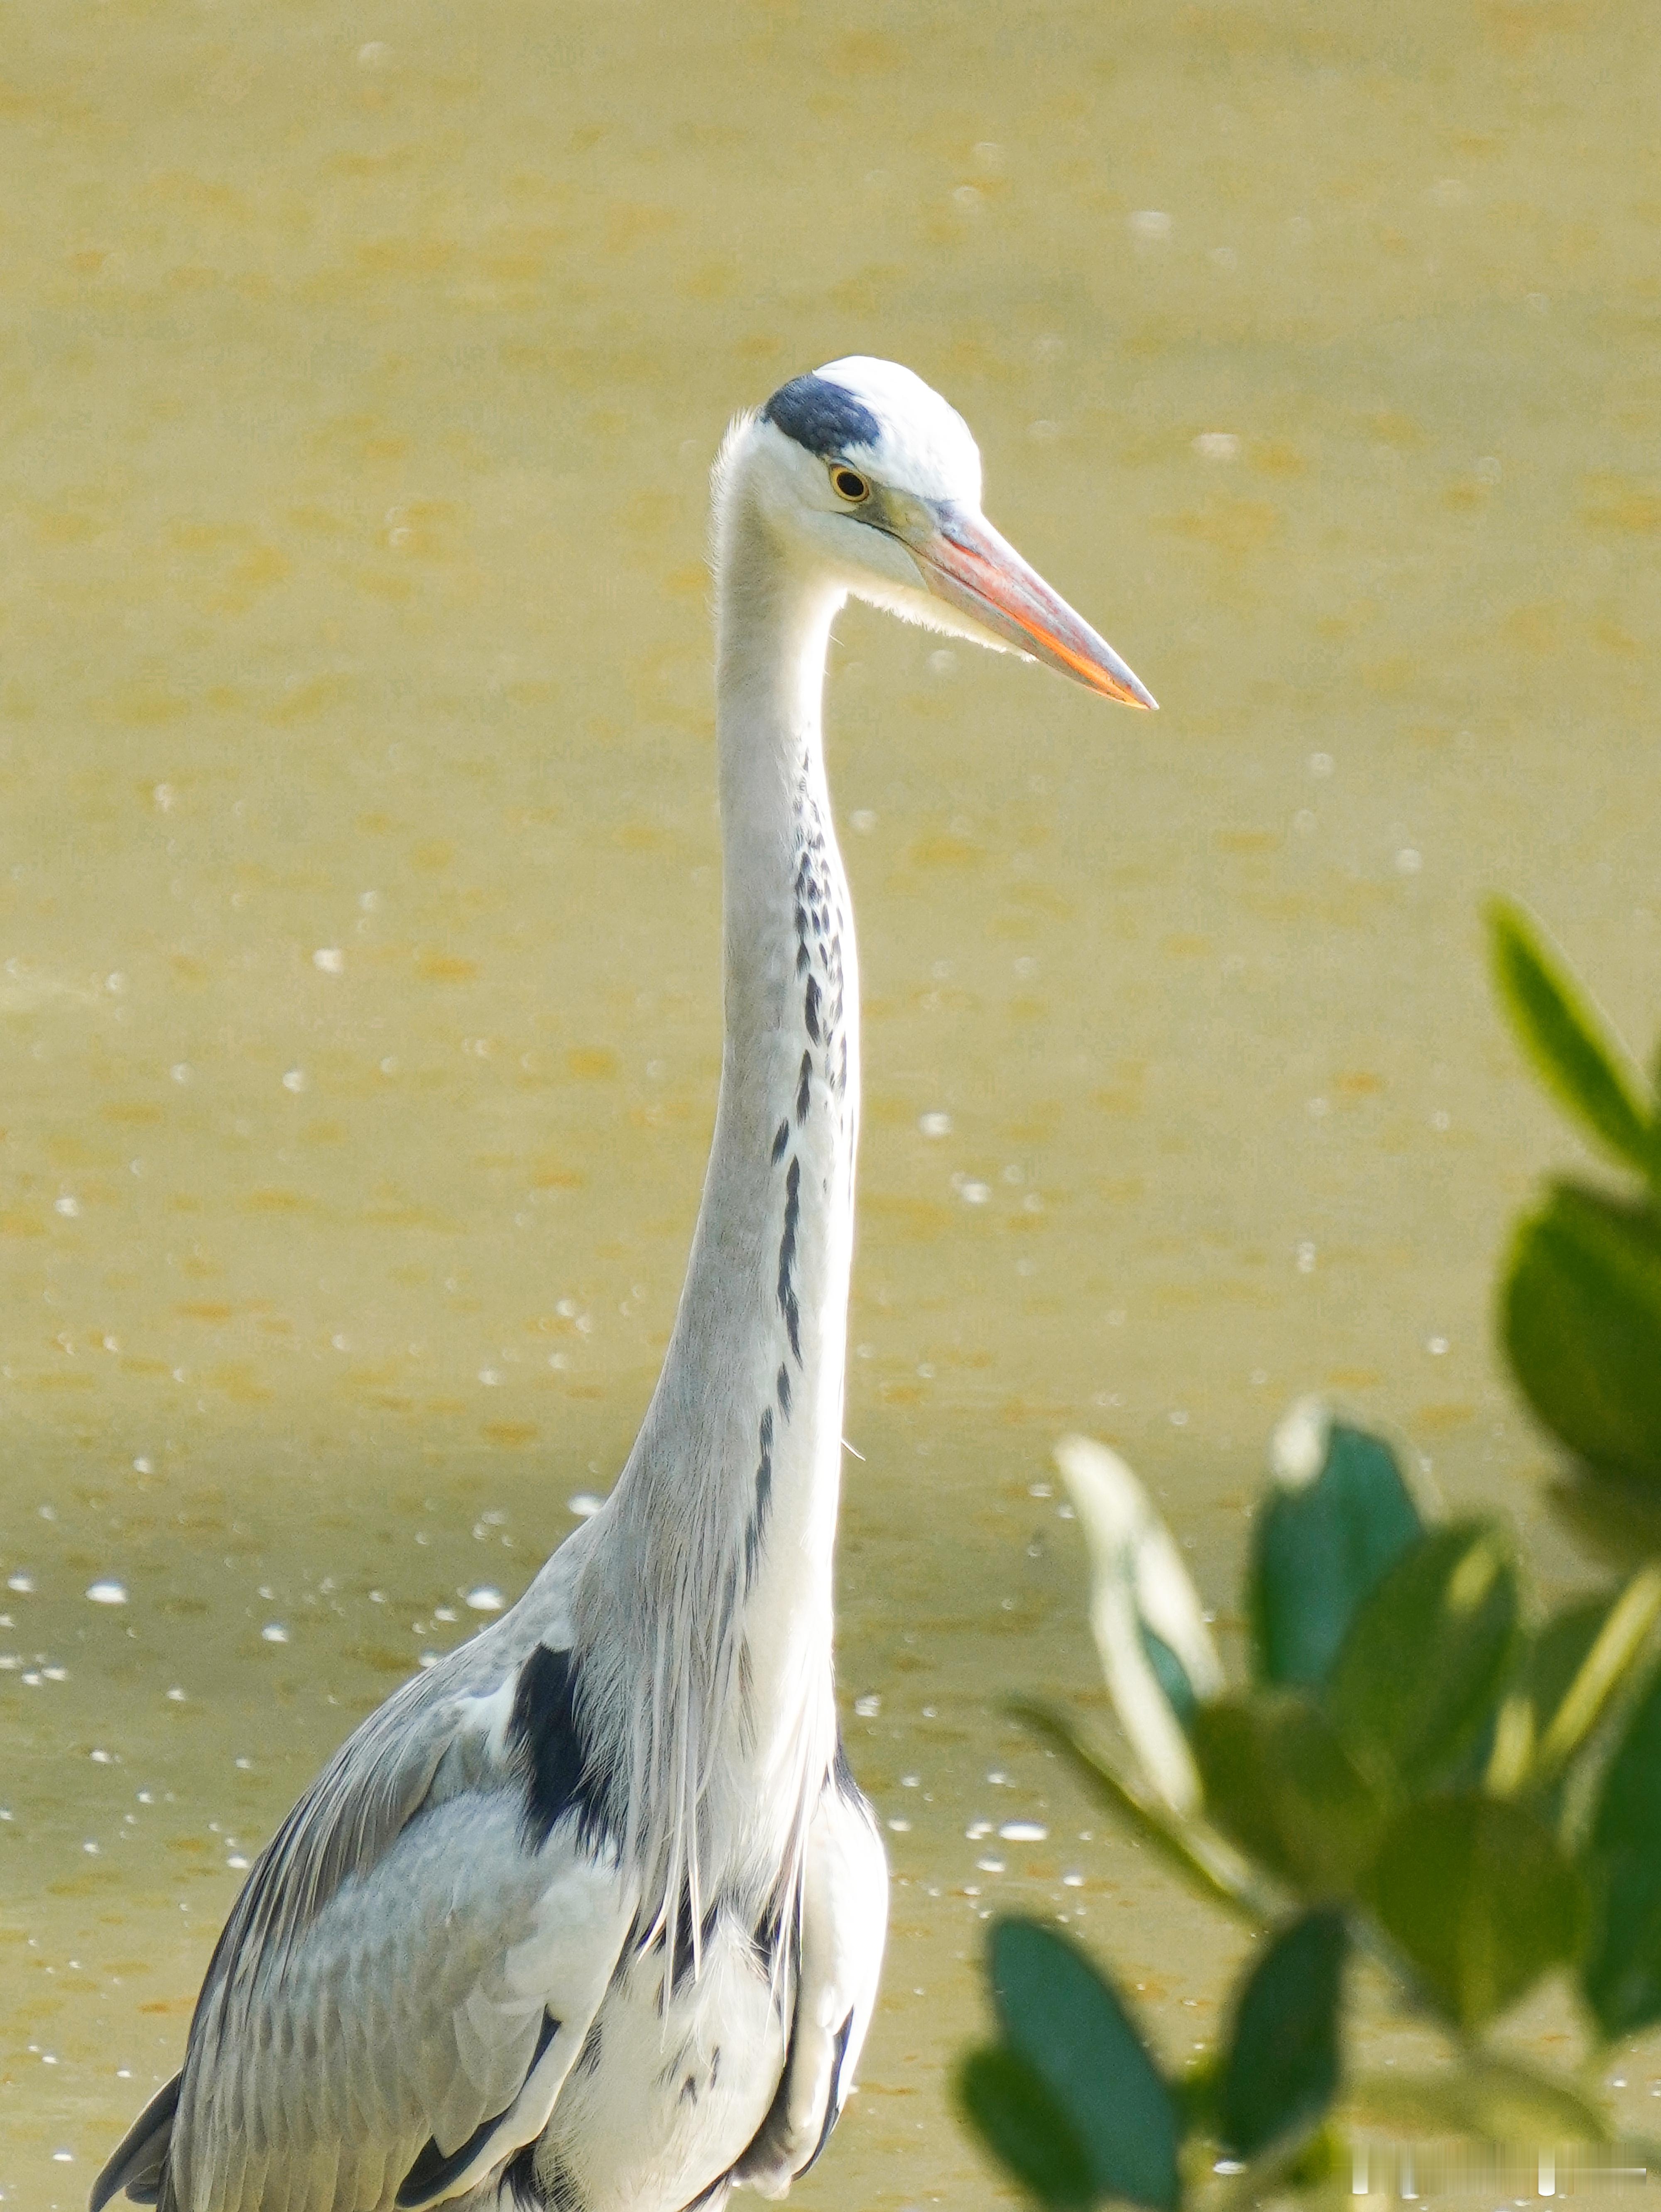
x=872 y=478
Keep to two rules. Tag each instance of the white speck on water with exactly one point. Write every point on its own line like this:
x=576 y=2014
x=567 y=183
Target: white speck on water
x=975 y=1193
x=1489 y=470
x=900 y=1827
x=330 y=959
x=585 y=1503
x=1039 y=1490
x=54 y=1673
x=446 y=1613
x=490 y=1377
x=1224 y=257
x=1449 y=192
x=144 y=1466
x=1150 y=223
x=1043 y=431
x=273 y=1632
x=244 y=1764
x=294 y=1079
x=486 y=1599
x=863 y=820
x=1024 y=1832
x=976 y=1829
x=237 y=1863
x=1307 y=1258
x=1072 y=1879
x=998 y=1778
x=374 y=55
x=990 y=1865
x=967 y=197
x=1319 y=1108
x=1217 y=445
x=1407 y=861
x=107 y=1593
x=67 y=1207
x=180 y=1071
x=936 y=1125
x=868 y=1706
x=176 y=1695
x=942 y=662
x=101 y=1757
x=24 y=1585
x=1177 y=1418
x=1436 y=1346
x=1320 y=763
x=90 y=1848
x=910 y=1781
x=1305 y=822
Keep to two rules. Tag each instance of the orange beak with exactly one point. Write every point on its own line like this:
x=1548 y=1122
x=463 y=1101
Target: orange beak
x=965 y=561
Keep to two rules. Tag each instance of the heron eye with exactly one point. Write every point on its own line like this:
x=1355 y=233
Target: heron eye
x=848 y=485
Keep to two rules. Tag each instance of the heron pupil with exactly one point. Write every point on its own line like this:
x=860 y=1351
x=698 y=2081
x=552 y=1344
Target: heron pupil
x=848 y=485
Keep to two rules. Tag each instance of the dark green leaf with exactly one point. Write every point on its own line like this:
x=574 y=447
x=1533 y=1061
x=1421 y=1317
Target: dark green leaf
x=1319 y=1549
x=1477 y=1894
x=1581 y=1320
x=1282 y=2064
x=1426 y=1660
x=1024 y=2126
x=1280 y=1782
x=1069 y=2026
x=1591 y=1076
x=1618 y=1519
x=1622 y=1972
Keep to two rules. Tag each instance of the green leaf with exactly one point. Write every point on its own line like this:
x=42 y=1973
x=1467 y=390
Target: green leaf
x=1592 y=1077
x=1501 y=2100
x=1156 y=1653
x=1069 y=2026
x=1424 y=1664
x=1621 y=1971
x=1319 y=1549
x=1279 y=1780
x=1282 y=2065
x=1479 y=1896
x=1580 y=1316
x=1618 y=1519
x=1022 y=2125
x=1196 y=1853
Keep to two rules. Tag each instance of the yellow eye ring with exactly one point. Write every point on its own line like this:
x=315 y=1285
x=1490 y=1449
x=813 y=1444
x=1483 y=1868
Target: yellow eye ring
x=848 y=483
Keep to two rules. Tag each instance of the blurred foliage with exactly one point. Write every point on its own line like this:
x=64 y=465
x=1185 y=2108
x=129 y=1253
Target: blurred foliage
x=1420 y=1785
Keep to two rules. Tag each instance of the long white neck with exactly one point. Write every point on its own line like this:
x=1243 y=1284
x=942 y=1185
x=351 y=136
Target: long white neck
x=706 y=1608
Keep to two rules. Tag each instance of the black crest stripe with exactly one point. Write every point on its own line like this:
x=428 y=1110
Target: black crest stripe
x=821 y=417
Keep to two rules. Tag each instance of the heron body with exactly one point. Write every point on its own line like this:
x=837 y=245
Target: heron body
x=589 y=1917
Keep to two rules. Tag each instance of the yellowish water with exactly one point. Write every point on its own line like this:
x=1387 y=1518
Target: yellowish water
x=358 y=873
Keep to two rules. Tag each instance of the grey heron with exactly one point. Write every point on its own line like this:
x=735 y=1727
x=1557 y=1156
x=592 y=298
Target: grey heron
x=589 y=1917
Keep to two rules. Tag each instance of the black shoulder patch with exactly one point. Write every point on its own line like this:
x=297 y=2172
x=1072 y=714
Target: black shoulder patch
x=821 y=415
x=544 y=1731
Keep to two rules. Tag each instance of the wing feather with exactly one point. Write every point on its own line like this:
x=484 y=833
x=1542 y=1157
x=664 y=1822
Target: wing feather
x=383 y=1986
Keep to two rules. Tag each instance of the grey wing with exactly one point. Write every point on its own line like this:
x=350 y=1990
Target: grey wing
x=413 y=1964
x=844 y=1924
